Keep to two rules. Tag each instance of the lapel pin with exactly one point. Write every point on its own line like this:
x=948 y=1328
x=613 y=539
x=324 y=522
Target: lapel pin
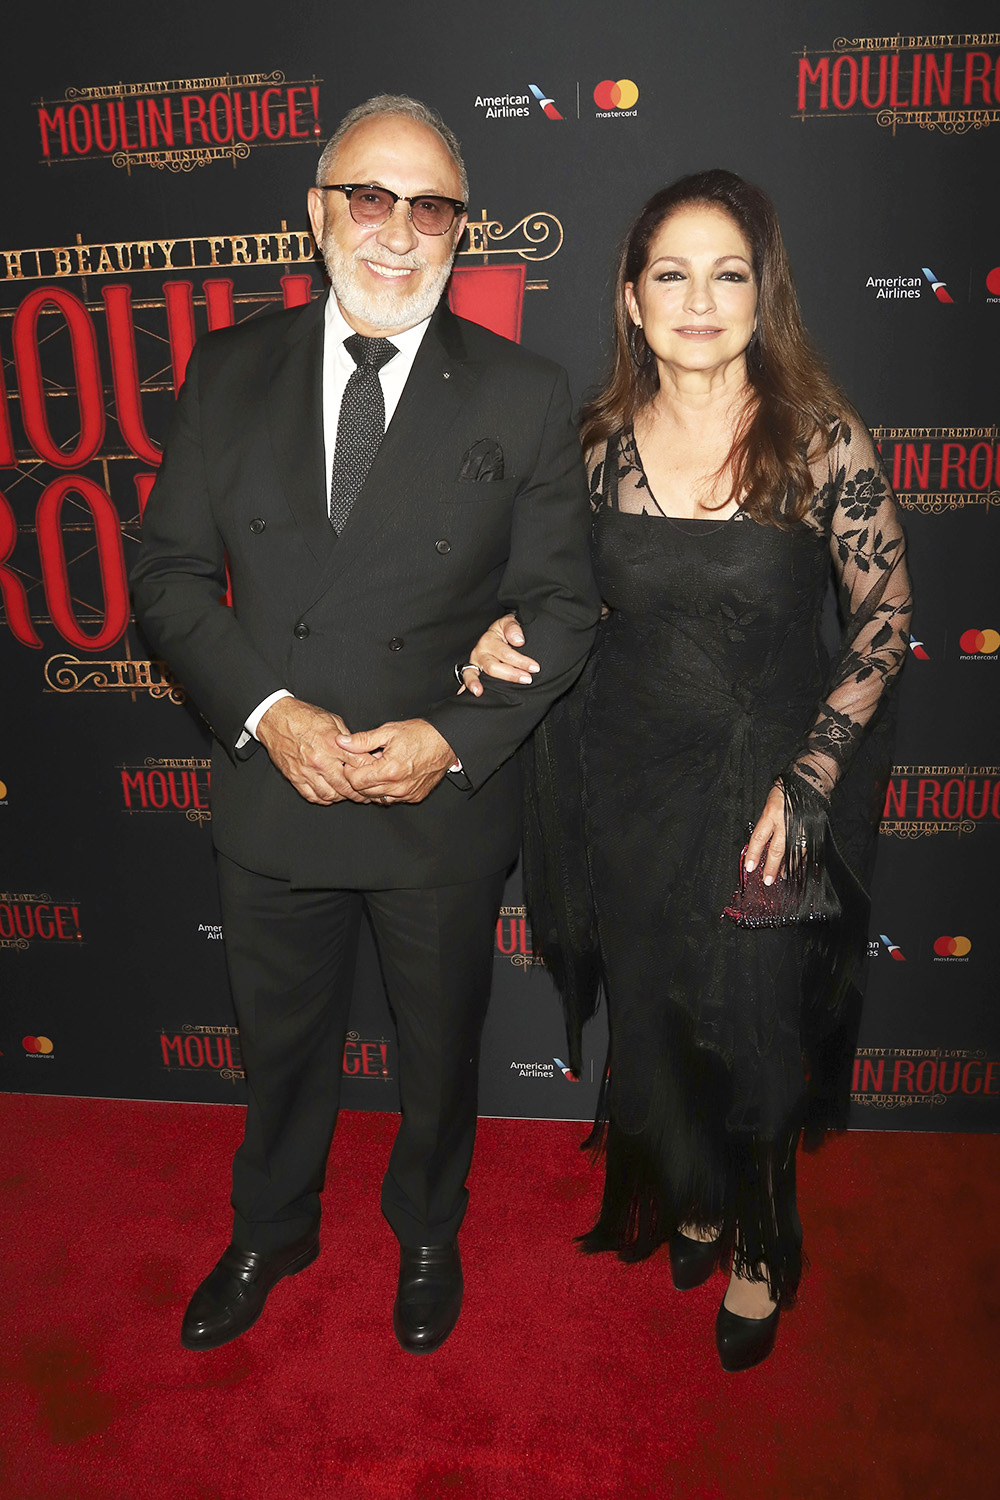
x=447 y=374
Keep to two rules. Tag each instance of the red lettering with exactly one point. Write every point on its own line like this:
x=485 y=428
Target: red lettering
x=127 y=144
x=926 y=1076
x=57 y=121
x=370 y=1060
x=932 y=75
x=995 y=804
x=29 y=921
x=171 y=1045
x=902 y=1071
x=947 y=462
x=193 y=113
x=895 y=798
x=272 y=133
x=819 y=74
x=254 y=116
x=293 y=113
x=219 y=302
x=194 y=1051
x=296 y=291
x=923 y=467
x=51 y=548
x=79 y=126
x=511 y=925
x=112 y=141
x=844 y=64
x=219 y=1060
x=156 y=787
x=60 y=930
x=143 y=487
x=942 y=1075
x=133 y=783
x=352 y=1061
x=179 y=299
x=928 y=791
x=12 y=590
x=32 y=386
x=984 y=805
x=161 y=121
x=894 y=98
x=957 y=806
x=967 y=1085
x=866 y=97
x=897 y=469
x=175 y=795
x=992 y=1069
x=982 y=77
x=125 y=373
x=6 y=921
x=224 y=132
x=873 y=1074
x=987 y=479
x=915 y=89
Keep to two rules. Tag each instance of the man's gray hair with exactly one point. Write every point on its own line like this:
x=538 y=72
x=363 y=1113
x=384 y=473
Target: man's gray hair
x=387 y=105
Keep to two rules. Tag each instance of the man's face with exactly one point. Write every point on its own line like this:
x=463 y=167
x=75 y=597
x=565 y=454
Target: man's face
x=387 y=277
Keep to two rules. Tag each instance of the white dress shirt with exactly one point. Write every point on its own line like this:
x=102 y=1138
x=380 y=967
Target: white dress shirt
x=338 y=367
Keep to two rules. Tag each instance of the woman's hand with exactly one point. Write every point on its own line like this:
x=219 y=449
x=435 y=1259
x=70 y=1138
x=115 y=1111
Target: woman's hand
x=495 y=655
x=769 y=834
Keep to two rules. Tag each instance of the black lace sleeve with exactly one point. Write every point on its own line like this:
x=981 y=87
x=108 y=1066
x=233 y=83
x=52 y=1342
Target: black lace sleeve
x=856 y=509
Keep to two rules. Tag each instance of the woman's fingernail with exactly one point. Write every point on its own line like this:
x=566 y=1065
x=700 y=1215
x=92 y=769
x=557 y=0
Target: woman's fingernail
x=750 y=864
x=768 y=879
x=524 y=678
x=517 y=640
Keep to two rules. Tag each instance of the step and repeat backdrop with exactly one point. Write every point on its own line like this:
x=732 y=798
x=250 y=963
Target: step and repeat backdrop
x=156 y=165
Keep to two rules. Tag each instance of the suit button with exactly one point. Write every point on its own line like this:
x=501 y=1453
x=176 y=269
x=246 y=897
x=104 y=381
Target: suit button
x=301 y=631
x=442 y=547
x=395 y=644
x=257 y=525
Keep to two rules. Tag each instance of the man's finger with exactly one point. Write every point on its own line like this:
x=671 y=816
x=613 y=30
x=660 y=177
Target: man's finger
x=364 y=742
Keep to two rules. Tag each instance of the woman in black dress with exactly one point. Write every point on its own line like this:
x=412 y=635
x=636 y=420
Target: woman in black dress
x=726 y=472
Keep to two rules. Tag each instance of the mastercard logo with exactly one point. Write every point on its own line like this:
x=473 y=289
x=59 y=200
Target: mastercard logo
x=981 y=642
x=37 y=1044
x=993 y=281
x=612 y=95
x=952 y=947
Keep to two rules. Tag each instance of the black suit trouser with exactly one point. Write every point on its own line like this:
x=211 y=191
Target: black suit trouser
x=291 y=956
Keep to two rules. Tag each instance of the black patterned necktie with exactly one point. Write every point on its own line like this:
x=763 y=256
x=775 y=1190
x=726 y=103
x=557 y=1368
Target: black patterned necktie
x=360 y=425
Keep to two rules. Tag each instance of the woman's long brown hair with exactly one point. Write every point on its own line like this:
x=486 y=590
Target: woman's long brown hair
x=794 y=401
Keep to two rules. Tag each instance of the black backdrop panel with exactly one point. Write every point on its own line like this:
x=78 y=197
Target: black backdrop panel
x=154 y=187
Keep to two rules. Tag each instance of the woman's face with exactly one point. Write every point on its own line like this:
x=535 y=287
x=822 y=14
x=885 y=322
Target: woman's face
x=696 y=299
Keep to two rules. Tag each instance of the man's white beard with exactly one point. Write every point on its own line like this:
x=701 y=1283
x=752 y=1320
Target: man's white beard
x=388 y=308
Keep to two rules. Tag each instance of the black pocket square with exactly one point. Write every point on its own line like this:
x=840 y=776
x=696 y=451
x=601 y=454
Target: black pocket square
x=484 y=460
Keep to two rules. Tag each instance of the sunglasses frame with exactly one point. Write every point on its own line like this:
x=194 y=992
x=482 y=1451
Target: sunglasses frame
x=350 y=188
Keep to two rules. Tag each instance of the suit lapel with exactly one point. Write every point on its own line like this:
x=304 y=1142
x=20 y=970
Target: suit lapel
x=295 y=426
x=438 y=386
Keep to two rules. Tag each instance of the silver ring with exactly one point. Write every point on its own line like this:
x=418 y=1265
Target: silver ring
x=469 y=666
x=384 y=801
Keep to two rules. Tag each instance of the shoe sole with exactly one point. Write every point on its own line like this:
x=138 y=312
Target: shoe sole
x=299 y=1264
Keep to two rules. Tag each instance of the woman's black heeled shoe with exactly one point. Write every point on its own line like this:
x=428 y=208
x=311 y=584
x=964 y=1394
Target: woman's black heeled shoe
x=744 y=1342
x=692 y=1261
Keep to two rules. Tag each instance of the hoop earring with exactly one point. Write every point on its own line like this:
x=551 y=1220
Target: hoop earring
x=638 y=348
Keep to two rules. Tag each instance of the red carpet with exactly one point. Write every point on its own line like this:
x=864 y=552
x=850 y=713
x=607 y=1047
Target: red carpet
x=566 y=1379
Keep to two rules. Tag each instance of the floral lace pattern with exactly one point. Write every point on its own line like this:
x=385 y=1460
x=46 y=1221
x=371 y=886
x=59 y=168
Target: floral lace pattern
x=854 y=511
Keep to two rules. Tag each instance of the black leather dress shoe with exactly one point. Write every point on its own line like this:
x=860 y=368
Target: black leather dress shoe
x=691 y=1261
x=429 y=1296
x=232 y=1296
x=744 y=1342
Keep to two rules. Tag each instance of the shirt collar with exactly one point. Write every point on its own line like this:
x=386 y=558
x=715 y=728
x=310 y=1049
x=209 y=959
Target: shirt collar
x=338 y=328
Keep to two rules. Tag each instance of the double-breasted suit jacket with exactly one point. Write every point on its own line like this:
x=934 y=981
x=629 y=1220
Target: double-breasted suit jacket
x=475 y=505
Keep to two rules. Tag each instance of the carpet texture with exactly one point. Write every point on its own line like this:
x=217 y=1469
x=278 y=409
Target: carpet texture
x=568 y=1378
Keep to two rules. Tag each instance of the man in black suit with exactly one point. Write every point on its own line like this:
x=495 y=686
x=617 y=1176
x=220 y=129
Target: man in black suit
x=363 y=568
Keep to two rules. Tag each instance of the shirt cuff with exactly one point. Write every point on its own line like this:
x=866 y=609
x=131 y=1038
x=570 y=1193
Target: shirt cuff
x=252 y=720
